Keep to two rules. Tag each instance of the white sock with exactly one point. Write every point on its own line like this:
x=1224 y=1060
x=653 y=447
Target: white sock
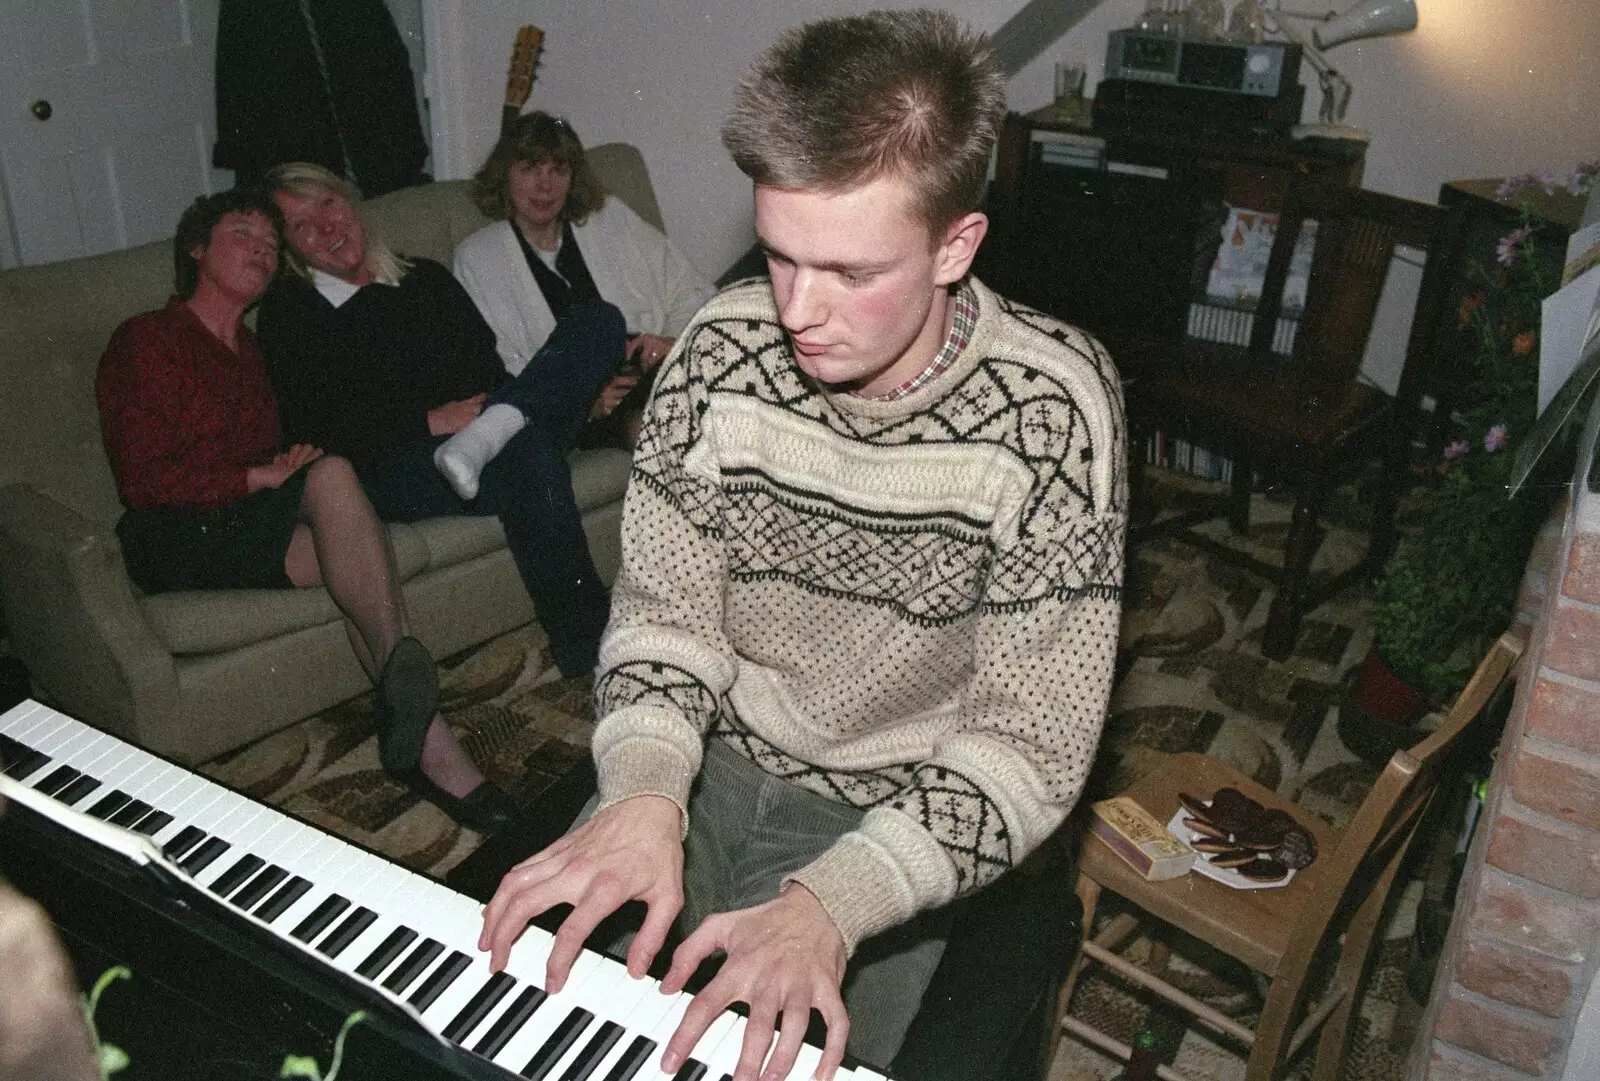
x=461 y=458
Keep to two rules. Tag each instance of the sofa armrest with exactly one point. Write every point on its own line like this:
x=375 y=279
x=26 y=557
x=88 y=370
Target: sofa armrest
x=73 y=618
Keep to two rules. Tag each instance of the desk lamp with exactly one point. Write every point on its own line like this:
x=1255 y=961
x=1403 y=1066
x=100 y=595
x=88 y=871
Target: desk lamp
x=1367 y=19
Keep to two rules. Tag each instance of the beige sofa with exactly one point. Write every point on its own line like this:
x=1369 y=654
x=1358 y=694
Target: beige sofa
x=193 y=675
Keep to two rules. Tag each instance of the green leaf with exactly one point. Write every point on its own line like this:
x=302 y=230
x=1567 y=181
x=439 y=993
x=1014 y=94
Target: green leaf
x=300 y=1066
x=112 y=1059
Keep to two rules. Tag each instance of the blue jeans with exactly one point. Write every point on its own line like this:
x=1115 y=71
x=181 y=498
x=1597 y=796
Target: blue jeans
x=528 y=486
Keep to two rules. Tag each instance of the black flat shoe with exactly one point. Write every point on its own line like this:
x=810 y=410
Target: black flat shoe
x=408 y=698
x=485 y=809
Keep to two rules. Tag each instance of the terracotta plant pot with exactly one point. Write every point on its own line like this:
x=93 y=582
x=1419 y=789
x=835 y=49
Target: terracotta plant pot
x=1383 y=695
x=1377 y=712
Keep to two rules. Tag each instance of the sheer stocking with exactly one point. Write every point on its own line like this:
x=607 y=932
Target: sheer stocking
x=341 y=544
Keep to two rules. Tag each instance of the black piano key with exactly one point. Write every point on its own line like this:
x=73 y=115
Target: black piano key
x=134 y=811
x=186 y=839
x=78 y=790
x=637 y=1054
x=279 y=903
x=324 y=914
x=153 y=823
x=439 y=979
x=234 y=876
x=21 y=762
x=109 y=804
x=600 y=1045
x=205 y=855
x=57 y=779
x=347 y=932
x=509 y=1023
x=13 y=753
x=692 y=1071
x=261 y=885
x=565 y=1035
x=406 y=972
x=382 y=957
x=495 y=988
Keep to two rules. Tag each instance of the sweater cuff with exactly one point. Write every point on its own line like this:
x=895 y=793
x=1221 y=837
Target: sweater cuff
x=879 y=875
x=646 y=752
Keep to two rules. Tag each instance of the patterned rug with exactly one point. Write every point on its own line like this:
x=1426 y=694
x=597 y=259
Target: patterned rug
x=520 y=721
x=1191 y=677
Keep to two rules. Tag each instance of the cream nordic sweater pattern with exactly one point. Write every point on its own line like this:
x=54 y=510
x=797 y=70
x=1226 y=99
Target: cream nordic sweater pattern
x=909 y=607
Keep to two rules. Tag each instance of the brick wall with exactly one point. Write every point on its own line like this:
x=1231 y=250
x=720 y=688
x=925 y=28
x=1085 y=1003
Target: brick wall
x=1519 y=963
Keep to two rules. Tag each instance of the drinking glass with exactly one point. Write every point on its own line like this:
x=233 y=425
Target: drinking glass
x=1248 y=23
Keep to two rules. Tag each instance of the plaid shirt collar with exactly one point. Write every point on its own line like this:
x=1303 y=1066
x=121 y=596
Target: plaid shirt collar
x=961 y=327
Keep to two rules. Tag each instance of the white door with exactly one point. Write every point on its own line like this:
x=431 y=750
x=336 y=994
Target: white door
x=107 y=117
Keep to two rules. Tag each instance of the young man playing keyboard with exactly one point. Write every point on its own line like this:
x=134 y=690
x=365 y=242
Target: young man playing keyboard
x=863 y=636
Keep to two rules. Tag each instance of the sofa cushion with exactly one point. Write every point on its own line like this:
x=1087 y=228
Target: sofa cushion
x=201 y=621
x=600 y=476
x=460 y=538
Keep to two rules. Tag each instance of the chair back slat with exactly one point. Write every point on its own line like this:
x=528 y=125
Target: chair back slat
x=1357 y=234
x=1363 y=868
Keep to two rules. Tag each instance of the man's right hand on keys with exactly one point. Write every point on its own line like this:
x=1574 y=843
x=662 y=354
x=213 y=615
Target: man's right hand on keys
x=632 y=850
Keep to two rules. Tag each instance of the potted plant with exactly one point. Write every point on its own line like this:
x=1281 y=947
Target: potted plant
x=1452 y=585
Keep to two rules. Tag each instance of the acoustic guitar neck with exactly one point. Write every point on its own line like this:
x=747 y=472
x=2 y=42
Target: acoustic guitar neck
x=519 y=75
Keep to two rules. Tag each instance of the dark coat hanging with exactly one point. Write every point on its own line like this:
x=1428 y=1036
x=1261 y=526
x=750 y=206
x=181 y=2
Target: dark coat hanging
x=327 y=81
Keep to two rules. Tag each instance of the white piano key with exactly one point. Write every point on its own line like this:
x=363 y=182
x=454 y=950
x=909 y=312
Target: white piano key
x=449 y=916
x=609 y=994
x=68 y=744
x=805 y=1063
x=160 y=784
x=24 y=720
x=325 y=866
x=719 y=1047
x=211 y=813
x=532 y=1036
x=181 y=801
x=661 y=1032
x=278 y=834
x=142 y=778
x=100 y=758
x=229 y=828
x=51 y=739
x=443 y=1009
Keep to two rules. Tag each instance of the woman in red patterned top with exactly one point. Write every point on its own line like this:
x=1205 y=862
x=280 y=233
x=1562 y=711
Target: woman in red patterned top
x=191 y=428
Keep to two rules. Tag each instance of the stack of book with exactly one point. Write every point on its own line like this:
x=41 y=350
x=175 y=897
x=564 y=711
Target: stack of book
x=1075 y=150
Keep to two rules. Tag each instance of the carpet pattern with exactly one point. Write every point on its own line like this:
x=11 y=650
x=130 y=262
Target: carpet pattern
x=1191 y=677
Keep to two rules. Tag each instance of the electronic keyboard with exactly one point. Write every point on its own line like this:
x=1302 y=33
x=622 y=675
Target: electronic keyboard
x=286 y=910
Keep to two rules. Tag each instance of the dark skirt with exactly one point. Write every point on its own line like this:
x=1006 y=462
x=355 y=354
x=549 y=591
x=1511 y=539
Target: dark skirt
x=240 y=546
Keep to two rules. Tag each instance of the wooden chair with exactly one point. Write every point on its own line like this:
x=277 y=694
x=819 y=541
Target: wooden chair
x=1328 y=914
x=1305 y=418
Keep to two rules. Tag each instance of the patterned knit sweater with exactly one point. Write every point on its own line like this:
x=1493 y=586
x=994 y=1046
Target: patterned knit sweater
x=909 y=607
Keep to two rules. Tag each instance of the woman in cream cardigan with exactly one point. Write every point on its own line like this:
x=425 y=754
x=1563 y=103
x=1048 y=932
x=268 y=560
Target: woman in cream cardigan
x=559 y=241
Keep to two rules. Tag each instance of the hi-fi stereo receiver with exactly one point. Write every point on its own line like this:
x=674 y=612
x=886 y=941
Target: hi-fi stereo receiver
x=1268 y=70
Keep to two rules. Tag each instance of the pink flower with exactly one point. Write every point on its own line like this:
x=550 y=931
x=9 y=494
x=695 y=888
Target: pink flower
x=1455 y=450
x=1513 y=184
x=1494 y=438
x=1505 y=252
